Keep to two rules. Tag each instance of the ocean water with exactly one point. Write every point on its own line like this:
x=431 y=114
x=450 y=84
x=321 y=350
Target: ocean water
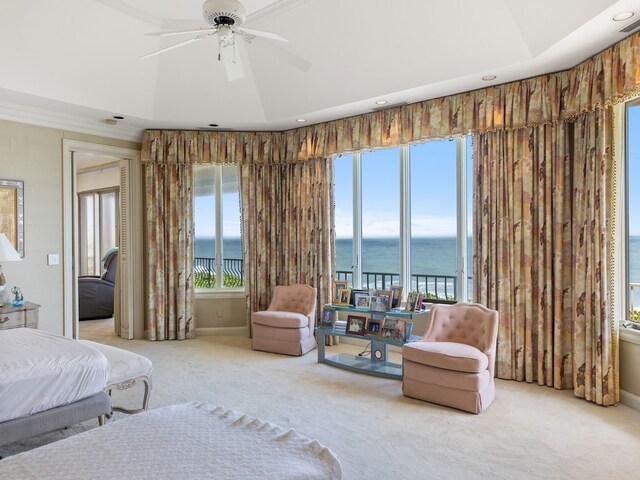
x=429 y=256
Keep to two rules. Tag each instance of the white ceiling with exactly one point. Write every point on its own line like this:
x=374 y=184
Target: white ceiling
x=74 y=63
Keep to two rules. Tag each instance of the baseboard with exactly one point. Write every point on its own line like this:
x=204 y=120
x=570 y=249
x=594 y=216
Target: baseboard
x=630 y=400
x=232 y=331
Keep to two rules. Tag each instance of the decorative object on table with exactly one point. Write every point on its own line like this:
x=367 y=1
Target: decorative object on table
x=394 y=329
x=374 y=327
x=419 y=300
x=340 y=327
x=12 y=213
x=7 y=254
x=18 y=298
x=336 y=286
x=362 y=300
x=412 y=299
x=344 y=294
x=408 y=329
x=356 y=324
x=380 y=303
x=357 y=291
x=397 y=295
x=328 y=317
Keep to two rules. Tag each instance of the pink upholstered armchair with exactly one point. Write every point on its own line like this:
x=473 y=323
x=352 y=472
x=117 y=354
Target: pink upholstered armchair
x=287 y=326
x=453 y=364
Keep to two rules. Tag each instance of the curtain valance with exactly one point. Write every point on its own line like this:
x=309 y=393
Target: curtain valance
x=607 y=78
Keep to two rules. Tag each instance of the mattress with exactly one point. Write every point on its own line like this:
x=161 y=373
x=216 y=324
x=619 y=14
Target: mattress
x=40 y=370
x=190 y=441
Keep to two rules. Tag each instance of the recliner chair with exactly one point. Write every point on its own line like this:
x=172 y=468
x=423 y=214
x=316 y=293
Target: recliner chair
x=96 y=294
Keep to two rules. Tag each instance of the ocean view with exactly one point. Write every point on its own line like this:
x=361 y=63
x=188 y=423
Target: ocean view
x=430 y=256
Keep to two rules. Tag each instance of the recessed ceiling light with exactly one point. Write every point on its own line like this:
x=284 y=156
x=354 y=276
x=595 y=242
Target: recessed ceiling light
x=118 y=117
x=488 y=78
x=622 y=16
x=213 y=124
x=381 y=102
x=301 y=120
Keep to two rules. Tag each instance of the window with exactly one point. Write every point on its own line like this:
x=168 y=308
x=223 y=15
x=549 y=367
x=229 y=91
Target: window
x=400 y=214
x=218 y=242
x=98 y=215
x=633 y=212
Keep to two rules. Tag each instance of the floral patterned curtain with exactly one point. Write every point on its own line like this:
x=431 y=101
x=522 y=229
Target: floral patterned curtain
x=287 y=219
x=169 y=217
x=542 y=209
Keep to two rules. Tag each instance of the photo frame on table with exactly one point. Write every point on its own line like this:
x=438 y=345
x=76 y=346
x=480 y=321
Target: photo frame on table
x=328 y=317
x=374 y=326
x=344 y=294
x=380 y=303
x=394 y=329
x=356 y=325
x=357 y=291
x=362 y=300
x=412 y=299
x=336 y=286
x=397 y=295
x=12 y=213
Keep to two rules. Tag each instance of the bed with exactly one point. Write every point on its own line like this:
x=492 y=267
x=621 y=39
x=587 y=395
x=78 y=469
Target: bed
x=48 y=382
x=189 y=441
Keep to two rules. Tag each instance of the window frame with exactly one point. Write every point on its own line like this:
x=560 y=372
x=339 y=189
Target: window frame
x=219 y=290
x=405 y=218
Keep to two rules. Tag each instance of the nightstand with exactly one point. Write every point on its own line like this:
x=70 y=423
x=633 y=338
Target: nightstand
x=25 y=316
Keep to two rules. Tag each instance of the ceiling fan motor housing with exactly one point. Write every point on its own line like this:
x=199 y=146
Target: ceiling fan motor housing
x=223 y=12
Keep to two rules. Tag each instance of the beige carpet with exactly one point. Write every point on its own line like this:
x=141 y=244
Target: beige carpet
x=528 y=432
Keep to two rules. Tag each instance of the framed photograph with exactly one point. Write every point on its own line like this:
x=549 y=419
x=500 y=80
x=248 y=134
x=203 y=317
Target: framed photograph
x=336 y=286
x=412 y=299
x=374 y=327
x=356 y=291
x=394 y=329
x=419 y=300
x=356 y=325
x=328 y=317
x=397 y=295
x=380 y=303
x=344 y=294
x=12 y=212
x=362 y=300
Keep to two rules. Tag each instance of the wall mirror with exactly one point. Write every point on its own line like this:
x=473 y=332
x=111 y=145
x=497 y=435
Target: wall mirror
x=12 y=212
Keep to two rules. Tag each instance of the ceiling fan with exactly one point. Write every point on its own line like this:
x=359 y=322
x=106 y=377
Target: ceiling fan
x=225 y=17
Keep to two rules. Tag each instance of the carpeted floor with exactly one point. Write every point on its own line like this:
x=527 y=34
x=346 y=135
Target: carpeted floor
x=528 y=432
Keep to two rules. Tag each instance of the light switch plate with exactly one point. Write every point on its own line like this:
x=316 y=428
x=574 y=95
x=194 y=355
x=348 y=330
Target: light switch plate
x=53 y=259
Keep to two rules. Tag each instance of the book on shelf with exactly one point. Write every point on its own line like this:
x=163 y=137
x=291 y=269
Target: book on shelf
x=340 y=326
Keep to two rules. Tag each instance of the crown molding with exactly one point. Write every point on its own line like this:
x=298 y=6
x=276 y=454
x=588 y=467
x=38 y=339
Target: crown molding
x=61 y=121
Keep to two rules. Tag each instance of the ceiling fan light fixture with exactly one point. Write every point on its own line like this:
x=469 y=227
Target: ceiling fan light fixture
x=223 y=12
x=622 y=16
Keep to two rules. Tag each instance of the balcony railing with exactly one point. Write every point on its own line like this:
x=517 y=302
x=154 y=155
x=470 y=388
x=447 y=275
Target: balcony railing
x=440 y=287
x=205 y=272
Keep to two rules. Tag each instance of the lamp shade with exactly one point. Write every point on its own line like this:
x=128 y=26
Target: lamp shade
x=7 y=252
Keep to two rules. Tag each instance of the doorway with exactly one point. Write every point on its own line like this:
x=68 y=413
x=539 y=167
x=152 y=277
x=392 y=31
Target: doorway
x=102 y=211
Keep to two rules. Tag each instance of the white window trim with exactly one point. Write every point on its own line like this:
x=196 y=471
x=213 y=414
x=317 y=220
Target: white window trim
x=405 y=218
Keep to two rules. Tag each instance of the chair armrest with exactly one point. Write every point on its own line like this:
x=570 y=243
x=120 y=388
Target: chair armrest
x=89 y=276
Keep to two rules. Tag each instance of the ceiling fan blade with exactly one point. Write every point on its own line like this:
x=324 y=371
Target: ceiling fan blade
x=261 y=34
x=287 y=56
x=177 y=45
x=181 y=32
x=232 y=63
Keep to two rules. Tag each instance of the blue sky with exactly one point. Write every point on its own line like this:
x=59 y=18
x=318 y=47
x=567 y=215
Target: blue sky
x=433 y=191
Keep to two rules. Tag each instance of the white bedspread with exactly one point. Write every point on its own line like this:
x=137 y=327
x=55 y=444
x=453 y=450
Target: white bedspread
x=40 y=370
x=190 y=441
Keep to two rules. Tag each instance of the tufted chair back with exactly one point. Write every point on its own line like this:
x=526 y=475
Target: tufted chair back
x=296 y=298
x=469 y=323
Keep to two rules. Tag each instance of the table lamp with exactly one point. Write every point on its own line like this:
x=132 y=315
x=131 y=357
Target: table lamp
x=7 y=254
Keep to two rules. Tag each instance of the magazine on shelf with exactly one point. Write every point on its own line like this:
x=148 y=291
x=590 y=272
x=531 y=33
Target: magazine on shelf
x=340 y=326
